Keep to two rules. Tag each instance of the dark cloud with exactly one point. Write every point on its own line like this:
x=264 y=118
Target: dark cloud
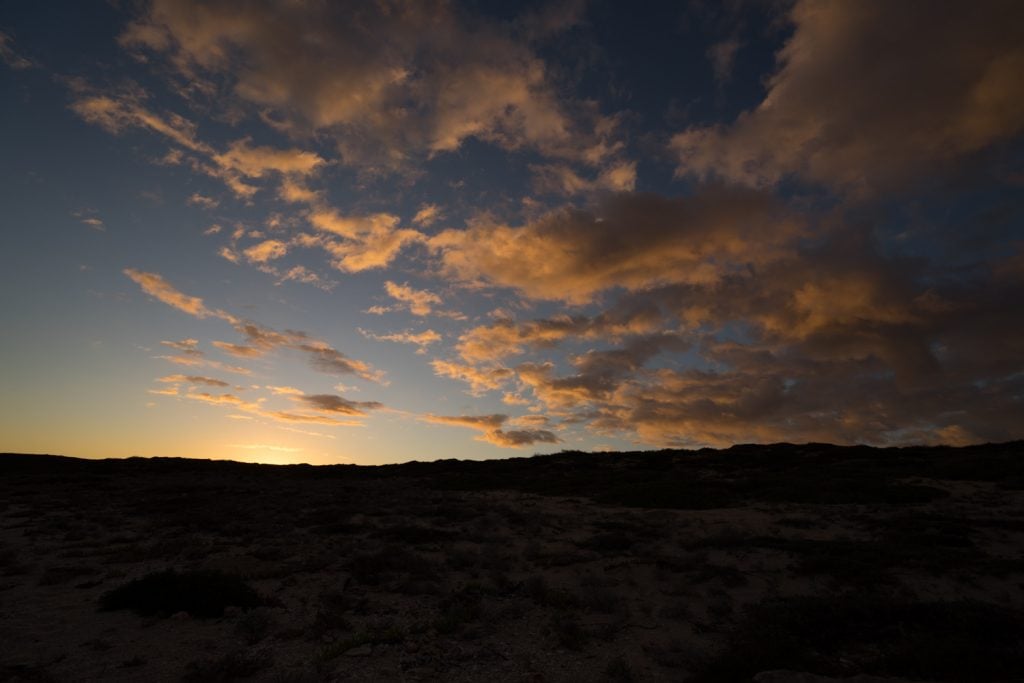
x=331 y=403
x=520 y=437
x=492 y=432
x=871 y=94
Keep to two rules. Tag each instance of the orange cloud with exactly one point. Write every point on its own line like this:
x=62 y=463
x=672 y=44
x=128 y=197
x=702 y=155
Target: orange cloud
x=491 y=426
x=388 y=91
x=255 y=161
x=123 y=109
x=428 y=214
x=419 y=301
x=368 y=241
x=267 y=250
x=479 y=379
x=239 y=350
x=160 y=289
x=115 y=113
x=633 y=241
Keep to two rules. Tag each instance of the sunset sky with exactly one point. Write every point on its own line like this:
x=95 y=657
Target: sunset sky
x=306 y=231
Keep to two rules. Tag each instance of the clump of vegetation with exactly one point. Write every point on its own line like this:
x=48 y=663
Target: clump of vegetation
x=460 y=608
x=373 y=568
x=416 y=534
x=330 y=614
x=538 y=590
x=202 y=594
x=228 y=667
x=385 y=632
x=569 y=631
x=619 y=670
x=256 y=625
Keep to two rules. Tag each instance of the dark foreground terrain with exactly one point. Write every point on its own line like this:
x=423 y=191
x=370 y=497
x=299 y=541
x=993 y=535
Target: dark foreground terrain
x=752 y=563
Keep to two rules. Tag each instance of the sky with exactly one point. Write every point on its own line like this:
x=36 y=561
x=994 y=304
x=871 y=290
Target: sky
x=301 y=231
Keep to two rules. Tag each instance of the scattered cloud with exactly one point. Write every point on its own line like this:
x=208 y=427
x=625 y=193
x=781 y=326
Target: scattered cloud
x=119 y=110
x=320 y=355
x=419 y=301
x=427 y=215
x=268 y=250
x=88 y=217
x=205 y=202
x=358 y=243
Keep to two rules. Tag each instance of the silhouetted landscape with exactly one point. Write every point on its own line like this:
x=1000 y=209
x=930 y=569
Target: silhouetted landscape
x=756 y=563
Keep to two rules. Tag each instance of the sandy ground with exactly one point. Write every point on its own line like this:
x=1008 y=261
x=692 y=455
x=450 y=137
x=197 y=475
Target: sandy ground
x=420 y=574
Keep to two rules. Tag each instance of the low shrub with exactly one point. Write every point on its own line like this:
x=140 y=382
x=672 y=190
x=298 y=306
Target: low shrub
x=202 y=594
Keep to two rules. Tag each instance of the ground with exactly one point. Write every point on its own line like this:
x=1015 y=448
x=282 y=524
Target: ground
x=706 y=566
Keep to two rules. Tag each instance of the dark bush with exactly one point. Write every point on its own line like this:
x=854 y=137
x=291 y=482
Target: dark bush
x=202 y=594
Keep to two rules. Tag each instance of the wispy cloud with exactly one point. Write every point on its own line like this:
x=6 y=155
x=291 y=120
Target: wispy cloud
x=158 y=288
x=320 y=355
x=10 y=57
x=420 y=339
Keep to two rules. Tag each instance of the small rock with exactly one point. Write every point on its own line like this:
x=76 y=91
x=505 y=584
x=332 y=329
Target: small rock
x=359 y=651
x=180 y=616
